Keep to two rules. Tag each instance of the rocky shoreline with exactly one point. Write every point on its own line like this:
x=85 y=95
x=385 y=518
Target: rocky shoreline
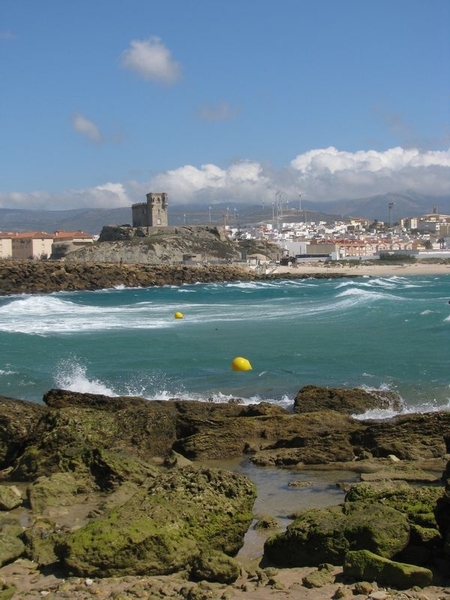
x=115 y=498
x=40 y=277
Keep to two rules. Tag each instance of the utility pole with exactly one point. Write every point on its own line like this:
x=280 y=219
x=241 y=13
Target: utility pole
x=390 y=206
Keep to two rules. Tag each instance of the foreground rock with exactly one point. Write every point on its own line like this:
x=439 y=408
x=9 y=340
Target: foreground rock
x=106 y=487
x=180 y=517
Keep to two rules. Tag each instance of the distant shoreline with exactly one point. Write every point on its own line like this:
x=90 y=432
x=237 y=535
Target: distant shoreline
x=362 y=270
x=43 y=277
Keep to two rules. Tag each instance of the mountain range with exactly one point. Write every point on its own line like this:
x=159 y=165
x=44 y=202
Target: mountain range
x=387 y=207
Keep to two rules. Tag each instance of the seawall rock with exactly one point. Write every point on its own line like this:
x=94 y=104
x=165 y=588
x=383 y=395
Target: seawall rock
x=41 y=277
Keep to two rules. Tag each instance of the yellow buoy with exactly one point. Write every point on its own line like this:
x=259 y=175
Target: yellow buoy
x=178 y=315
x=241 y=364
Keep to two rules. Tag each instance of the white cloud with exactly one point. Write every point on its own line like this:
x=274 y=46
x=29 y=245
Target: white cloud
x=331 y=160
x=108 y=195
x=321 y=174
x=151 y=60
x=219 y=112
x=87 y=128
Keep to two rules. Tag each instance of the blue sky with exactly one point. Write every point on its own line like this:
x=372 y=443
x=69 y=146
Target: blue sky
x=213 y=101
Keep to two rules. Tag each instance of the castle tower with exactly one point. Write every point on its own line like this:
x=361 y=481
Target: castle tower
x=152 y=213
x=157 y=209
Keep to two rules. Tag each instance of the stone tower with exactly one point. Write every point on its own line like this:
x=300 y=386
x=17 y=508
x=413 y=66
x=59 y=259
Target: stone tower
x=152 y=213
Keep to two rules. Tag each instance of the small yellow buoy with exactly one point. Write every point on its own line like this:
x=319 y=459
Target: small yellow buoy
x=178 y=315
x=241 y=364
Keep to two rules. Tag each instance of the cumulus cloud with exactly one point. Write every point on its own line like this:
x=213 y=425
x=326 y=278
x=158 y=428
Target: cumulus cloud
x=320 y=174
x=331 y=160
x=88 y=129
x=151 y=60
x=219 y=112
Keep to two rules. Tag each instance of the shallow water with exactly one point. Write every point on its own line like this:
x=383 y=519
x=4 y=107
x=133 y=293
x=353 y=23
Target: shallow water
x=279 y=500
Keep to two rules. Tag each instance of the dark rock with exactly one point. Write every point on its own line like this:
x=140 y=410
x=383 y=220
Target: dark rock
x=408 y=437
x=355 y=401
x=18 y=420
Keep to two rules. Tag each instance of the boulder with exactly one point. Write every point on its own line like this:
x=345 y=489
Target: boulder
x=215 y=566
x=365 y=565
x=408 y=437
x=348 y=401
x=162 y=528
x=60 y=489
x=41 y=540
x=322 y=576
x=325 y=535
x=11 y=548
x=10 y=497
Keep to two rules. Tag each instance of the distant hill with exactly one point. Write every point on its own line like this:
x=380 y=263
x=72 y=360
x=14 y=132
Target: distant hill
x=377 y=207
x=91 y=220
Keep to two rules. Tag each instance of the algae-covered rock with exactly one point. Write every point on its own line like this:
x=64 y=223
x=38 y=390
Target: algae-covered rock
x=11 y=548
x=161 y=529
x=89 y=443
x=60 y=489
x=10 y=497
x=418 y=503
x=319 y=578
x=363 y=564
x=326 y=535
x=215 y=566
x=40 y=540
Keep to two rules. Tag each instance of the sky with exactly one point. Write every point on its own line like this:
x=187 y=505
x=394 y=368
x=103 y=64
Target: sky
x=210 y=101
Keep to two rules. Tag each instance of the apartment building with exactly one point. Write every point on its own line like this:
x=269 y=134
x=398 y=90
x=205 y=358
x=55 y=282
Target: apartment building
x=5 y=245
x=38 y=244
x=33 y=244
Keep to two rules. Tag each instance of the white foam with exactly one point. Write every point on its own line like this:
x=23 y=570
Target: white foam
x=72 y=375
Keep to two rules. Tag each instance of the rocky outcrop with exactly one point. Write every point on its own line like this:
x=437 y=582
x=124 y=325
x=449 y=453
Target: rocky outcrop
x=109 y=488
x=105 y=438
x=357 y=401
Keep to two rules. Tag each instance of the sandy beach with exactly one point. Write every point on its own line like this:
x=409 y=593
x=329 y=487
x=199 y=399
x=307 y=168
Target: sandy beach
x=364 y=270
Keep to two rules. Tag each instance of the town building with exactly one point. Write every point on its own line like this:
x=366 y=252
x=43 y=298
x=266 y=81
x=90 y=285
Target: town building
x=40 y=245
x=34 y=244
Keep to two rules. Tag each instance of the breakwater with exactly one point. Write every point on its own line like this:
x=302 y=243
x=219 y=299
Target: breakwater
x=40 y=277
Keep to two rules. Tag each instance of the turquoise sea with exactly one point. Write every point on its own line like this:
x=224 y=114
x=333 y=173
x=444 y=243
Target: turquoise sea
x=390 y=333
